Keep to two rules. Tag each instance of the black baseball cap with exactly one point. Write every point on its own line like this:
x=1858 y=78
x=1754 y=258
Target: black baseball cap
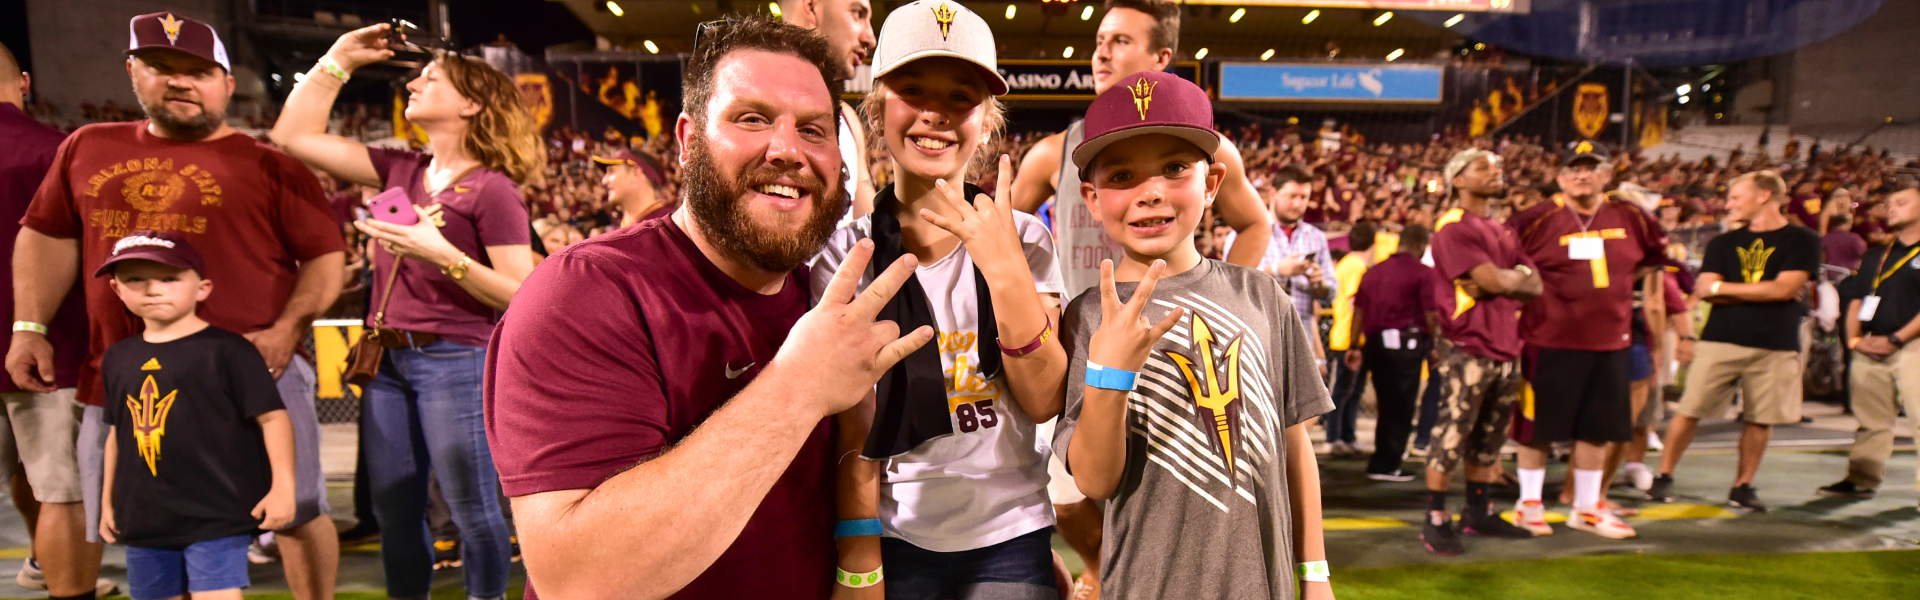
x=1587 y=150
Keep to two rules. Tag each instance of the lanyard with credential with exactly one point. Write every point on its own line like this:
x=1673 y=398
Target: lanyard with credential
x=1870 y=305
x=1884 y=273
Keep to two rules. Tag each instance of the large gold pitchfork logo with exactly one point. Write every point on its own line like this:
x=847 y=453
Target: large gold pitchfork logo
x=150 y=421
x=1220 y=403
x=1753 y=261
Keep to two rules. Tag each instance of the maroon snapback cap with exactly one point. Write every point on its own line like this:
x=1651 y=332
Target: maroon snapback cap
x=1143 y=103
x=172 y=32
x=165 y=248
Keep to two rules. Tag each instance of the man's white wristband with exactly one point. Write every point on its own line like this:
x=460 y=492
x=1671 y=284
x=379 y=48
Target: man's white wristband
x=858 y=580
x=19 y=326
x=1314 y=571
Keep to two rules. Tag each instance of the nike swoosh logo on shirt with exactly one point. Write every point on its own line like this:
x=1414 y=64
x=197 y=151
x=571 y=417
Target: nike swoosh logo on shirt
x=735 y=373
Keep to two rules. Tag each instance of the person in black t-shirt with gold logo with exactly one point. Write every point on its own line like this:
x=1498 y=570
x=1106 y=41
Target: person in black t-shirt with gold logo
x=207 y=445
x=1756 y=278
x=1882 y=318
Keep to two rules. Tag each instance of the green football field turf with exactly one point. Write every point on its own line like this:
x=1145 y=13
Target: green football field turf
x=1842 y=575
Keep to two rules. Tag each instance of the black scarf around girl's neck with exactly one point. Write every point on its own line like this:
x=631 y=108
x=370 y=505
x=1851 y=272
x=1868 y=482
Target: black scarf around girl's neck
x=911 y=399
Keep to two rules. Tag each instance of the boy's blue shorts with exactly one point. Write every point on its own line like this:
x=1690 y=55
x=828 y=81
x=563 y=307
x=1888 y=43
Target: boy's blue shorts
x=212 y=565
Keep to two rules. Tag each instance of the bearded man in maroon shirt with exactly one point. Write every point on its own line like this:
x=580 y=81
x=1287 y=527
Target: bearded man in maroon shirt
x=657 y=398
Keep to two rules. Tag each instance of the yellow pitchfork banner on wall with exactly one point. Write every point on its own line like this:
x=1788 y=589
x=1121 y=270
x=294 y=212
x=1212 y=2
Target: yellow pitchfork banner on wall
x=332 y=338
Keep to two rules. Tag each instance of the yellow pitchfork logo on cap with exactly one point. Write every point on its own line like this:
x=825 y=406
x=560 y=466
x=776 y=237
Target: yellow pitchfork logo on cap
x=172 y=26
x=1583 y=148
x=943 y=15
x=1142 y=95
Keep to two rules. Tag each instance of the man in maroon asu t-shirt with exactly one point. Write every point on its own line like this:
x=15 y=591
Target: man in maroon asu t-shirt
x=1590 y=249
x=657 y=397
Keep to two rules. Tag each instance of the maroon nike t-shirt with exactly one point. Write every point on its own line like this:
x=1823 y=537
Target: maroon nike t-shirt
x=1587 y=303
x=615 y=349
x=1485 y=327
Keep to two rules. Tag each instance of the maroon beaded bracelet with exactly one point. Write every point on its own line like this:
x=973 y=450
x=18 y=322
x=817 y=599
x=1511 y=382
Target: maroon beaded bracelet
x=1038 y=341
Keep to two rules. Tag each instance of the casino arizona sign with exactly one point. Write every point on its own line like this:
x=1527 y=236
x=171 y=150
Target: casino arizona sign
x=1064 y=79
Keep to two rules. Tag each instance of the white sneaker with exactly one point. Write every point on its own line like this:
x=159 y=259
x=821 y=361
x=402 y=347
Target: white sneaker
x=1600 y=522
x=104 y=587
x=1531 y=515
x=30 y=576
x=1653 y=442
x=1639 y=474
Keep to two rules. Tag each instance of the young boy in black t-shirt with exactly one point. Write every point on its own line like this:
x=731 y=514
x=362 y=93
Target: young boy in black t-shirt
x=193 y=408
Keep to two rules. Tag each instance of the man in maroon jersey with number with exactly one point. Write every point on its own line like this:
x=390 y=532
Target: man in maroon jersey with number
x=1589 y=249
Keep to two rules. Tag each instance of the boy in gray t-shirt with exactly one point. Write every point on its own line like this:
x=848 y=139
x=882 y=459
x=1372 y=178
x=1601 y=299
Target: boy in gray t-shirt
x=1185 y=401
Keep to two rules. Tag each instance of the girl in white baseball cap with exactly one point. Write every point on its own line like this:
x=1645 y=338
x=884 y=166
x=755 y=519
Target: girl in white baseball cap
x=953 y=469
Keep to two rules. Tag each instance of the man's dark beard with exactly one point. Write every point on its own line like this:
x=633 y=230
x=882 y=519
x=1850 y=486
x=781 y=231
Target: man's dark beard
x=190 y=129
x=718 y=207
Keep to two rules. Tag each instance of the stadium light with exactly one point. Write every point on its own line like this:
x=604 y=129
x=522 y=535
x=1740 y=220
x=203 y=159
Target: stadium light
x=1010 y=10
x=1266 y=55
x=614 y=7
x=774 y=7
x=1311 y=15
x=1456 y=19
x=1683 y=89
x=1383 y=18
x=1479 y=46
x=1086 y=14
x=652 y=49
x=1237 y=14
x=1201 y=55
x=1068 y=53
x=1395 y=54
x=299 y=77
x=1706 y=87
x=1684 y=99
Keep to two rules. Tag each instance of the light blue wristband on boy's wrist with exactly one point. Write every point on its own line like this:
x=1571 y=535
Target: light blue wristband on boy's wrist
x=1109 y=378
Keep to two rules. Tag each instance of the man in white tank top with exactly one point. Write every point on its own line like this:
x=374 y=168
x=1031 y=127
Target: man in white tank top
x=1134 y=36
x=848 y=27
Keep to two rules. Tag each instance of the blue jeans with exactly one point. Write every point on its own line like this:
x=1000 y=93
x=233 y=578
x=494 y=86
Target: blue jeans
x=1016 y=569
x=1348 y=384
x=421 y=416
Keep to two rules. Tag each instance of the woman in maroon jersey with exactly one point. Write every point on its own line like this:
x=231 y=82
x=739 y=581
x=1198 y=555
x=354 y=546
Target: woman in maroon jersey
x=464 y=259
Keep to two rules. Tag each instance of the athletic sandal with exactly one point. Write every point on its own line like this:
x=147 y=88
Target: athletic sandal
x=1440 y=538
x=1531 y=515
x=1489 y=524
x=1617 y=509
x=1600 y=522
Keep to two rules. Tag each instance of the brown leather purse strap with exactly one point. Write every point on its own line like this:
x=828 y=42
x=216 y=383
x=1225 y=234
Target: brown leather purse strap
x=393 y=276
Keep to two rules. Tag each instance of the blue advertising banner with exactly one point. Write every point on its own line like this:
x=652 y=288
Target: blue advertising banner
x=1422 y=84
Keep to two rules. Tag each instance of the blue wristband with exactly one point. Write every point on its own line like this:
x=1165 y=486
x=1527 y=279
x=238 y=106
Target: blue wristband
x=1109 y=378
x=856 y=528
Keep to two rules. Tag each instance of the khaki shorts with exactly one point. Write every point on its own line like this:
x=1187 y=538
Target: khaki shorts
x=1768 y=383
x=40 y=430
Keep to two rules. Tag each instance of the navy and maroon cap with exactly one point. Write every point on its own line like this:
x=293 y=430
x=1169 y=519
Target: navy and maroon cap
x=646 y=164
x=168 y=31
x=1587 y=150
x=1143 y=103
x=165 y=248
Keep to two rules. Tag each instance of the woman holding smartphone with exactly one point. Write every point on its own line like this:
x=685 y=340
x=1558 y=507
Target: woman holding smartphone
x=461 y=247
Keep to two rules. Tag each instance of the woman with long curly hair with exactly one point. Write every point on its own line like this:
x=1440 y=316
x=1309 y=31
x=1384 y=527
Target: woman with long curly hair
x=458 y=266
